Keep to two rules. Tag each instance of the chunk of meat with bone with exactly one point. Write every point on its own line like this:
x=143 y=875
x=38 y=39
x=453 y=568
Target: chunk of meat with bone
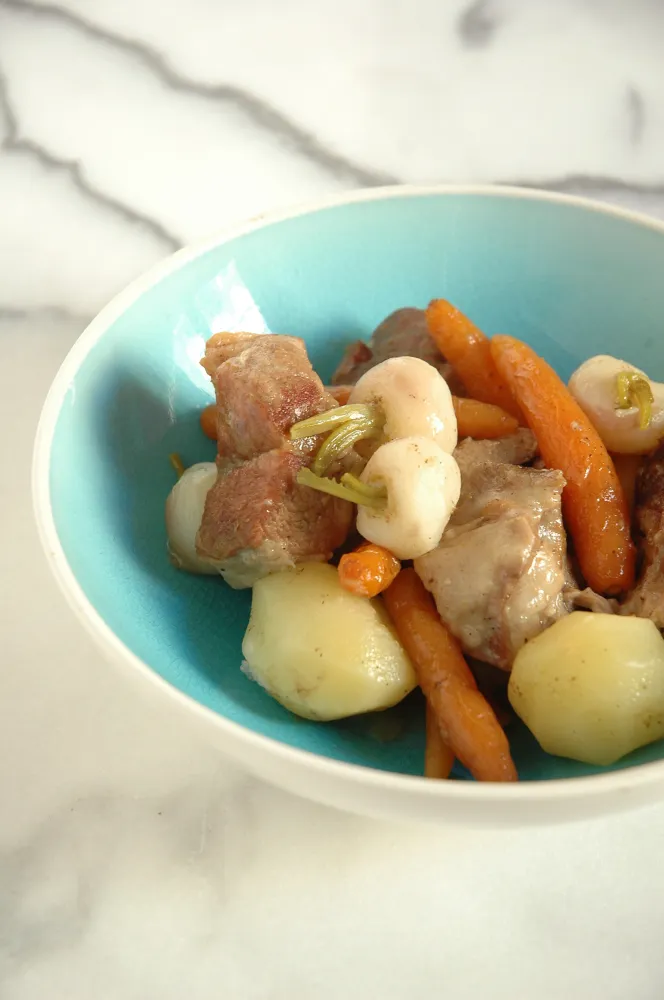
x=403 y=333
x=647 y=598
x=498 y=573
x=257 y=518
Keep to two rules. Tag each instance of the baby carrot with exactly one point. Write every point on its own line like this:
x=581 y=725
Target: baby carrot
x=593 y=500
x=468 y=350
x=368 y=570
x=627 y=467
x=208 y=420
x=438 y=758
x=482 y=420
x=467 y=723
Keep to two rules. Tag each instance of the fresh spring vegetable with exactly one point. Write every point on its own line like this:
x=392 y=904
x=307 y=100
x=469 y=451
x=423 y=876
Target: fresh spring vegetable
x=469 y=351
x=474 y=419
x=467 y=722
x=322 y=652
x=368 y=570
x=591 y=687
x=593 y=500
x=184 y=510
x=414 y=399
x=345 y=427
x=423 y=484
x=410 y=485
x=627 y=470
x=625 y=407
x=438 y=758
x=482 y=420
x=401 y=397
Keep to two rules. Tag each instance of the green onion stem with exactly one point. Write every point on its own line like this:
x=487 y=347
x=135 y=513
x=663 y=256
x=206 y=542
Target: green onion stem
x=327 y=421
x=341 y=440
x=306 y=477
x=634 y=389
x=366 y=489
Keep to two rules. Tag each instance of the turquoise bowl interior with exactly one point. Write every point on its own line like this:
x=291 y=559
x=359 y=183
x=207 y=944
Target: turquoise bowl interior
x=570 y=280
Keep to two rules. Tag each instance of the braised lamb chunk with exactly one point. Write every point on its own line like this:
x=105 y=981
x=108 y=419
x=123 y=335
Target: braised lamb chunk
x=498 y=573
x=264 y=385
x=515 y=449
x=257 y=518
x=646 y=600
x=223 y=346
x=403 y=333
x=588 y=600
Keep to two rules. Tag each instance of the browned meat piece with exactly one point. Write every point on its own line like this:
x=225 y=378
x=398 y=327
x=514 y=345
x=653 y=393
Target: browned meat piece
x=647 y=598
x=403 y=334
x=257 y=519
x=588 y=600
x=355 y=361
x=515 y=449
x=498 y=574
x=264 y=384
x=222 y=346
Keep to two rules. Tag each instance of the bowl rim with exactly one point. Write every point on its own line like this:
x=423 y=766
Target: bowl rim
x=561 y=790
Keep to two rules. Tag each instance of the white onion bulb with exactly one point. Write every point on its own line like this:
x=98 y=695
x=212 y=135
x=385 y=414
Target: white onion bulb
x=594 y=387
x=415 y=399
x=423 y=485
x=184 y=511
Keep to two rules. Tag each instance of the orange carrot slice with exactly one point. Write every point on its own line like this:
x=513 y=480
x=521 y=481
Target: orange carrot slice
x=627 y=467
x=467 y=723
x=482 y=420
x=468 y=350
x=368 y=570
x=208 y=420
x=594 y=503
x=438 y=758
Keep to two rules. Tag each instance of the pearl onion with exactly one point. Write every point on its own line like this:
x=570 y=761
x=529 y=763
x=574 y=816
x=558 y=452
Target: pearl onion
x=184 y=511
x=415 y=399
x=593 y=385
x=423 y=485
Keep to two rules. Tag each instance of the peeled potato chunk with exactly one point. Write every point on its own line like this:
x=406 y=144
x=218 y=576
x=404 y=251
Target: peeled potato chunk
x=322 y=652
x=591 y=687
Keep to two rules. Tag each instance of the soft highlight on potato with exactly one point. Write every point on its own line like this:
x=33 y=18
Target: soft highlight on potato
x=320 y=651
x=591 y=687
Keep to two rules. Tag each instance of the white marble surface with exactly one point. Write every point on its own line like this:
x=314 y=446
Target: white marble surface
x=134 y=863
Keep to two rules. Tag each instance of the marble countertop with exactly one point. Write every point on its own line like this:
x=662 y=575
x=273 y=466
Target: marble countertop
x=136 y=864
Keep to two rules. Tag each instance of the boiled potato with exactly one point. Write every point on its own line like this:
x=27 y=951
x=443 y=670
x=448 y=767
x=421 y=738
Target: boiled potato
x=591 y=687
x=320 y=651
